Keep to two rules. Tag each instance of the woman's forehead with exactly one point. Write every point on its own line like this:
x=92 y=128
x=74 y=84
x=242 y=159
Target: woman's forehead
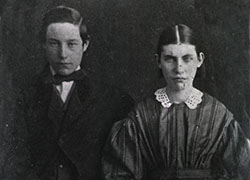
x=178 y=49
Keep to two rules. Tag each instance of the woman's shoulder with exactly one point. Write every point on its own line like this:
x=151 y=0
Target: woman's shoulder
x=208 y=99
x=214 y=105
x=144 y=109
x=148 y=102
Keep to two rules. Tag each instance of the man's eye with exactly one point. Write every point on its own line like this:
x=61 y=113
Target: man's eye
x=187 y=58
x=54 y=44
x=72 y=45
x=168 y=59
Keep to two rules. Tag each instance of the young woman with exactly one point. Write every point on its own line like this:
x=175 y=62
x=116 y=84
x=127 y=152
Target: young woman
x=180 y=132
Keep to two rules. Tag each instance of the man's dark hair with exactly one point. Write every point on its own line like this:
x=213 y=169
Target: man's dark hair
x=62 y=14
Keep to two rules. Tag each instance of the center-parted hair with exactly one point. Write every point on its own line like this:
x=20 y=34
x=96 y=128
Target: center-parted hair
x=176 y=35
x=179 y=34
x=62 y=14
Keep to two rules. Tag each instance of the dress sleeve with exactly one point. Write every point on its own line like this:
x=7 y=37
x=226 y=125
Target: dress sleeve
x=236 y=153
x=122 y=159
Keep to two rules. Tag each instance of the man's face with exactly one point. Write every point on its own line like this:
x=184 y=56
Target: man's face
x=179 y=63
x=64 y=47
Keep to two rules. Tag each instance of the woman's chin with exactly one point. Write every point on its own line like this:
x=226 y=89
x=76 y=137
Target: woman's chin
x=178 y=87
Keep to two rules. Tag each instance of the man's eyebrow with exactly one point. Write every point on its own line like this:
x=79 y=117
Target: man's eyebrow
x=187 y=55
x=52 y=39
x=77 y=40
x=167 y=55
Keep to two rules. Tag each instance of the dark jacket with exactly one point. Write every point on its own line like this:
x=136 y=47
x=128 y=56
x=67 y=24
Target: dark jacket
x=74 y=134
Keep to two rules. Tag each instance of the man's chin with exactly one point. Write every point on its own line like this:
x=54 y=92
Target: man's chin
x=64 y=72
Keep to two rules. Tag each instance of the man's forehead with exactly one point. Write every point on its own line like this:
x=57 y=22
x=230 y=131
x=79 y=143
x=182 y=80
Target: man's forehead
x=178 y=49
x=63 y=30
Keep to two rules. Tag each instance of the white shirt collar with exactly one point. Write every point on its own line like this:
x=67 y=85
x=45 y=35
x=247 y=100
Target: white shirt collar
x=65 y=87
x=193 y=100
x=53 y=71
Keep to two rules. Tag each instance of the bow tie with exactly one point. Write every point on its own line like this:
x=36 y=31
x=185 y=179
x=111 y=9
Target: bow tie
x=77 y=75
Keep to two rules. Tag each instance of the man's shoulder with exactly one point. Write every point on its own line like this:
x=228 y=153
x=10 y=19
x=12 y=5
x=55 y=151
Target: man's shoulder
x=104 y=89
x=33 y=86
x=105 y=97
x=38 y=78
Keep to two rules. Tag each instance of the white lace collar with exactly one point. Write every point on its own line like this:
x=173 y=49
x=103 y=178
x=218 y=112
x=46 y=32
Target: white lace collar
x=194 y=99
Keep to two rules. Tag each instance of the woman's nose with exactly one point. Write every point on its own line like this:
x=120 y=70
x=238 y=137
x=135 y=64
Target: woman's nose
x=179 y=67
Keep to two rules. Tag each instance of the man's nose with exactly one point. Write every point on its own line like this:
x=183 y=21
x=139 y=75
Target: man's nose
x=63 y=52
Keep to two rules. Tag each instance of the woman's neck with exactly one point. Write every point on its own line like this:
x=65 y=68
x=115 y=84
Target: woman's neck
x=179 y=96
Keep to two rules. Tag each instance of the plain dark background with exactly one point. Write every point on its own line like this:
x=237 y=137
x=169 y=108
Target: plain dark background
x=124 y=35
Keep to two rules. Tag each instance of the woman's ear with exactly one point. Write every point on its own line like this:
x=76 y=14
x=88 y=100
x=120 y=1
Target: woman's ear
x=85 y=45
x=201 y=58
x=157 y=59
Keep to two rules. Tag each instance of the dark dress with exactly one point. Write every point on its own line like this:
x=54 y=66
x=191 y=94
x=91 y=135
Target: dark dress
x=156 y=143
x=65 y=140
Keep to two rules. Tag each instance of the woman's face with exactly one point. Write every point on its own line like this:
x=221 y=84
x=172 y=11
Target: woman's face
x=179 y=63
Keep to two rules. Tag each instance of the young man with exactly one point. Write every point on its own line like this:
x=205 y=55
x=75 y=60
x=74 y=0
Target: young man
x=68 y=116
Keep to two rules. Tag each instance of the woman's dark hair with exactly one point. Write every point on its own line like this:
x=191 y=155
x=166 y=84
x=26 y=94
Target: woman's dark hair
x=177 y=34
x=61 y=14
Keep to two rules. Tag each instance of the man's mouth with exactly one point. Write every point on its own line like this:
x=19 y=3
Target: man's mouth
x=63 y=64
x=179 y=78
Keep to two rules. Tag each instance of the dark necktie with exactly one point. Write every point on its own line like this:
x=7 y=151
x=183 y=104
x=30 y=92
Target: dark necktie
x=77 y=75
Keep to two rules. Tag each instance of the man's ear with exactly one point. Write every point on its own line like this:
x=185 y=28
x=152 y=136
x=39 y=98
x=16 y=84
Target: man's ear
x=85 y=45
x=157 y=59
x=201 y=58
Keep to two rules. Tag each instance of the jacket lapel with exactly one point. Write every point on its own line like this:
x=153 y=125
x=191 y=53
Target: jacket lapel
x=79 y=101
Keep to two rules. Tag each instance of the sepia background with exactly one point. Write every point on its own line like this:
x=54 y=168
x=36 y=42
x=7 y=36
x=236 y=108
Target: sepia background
x=124 y=35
